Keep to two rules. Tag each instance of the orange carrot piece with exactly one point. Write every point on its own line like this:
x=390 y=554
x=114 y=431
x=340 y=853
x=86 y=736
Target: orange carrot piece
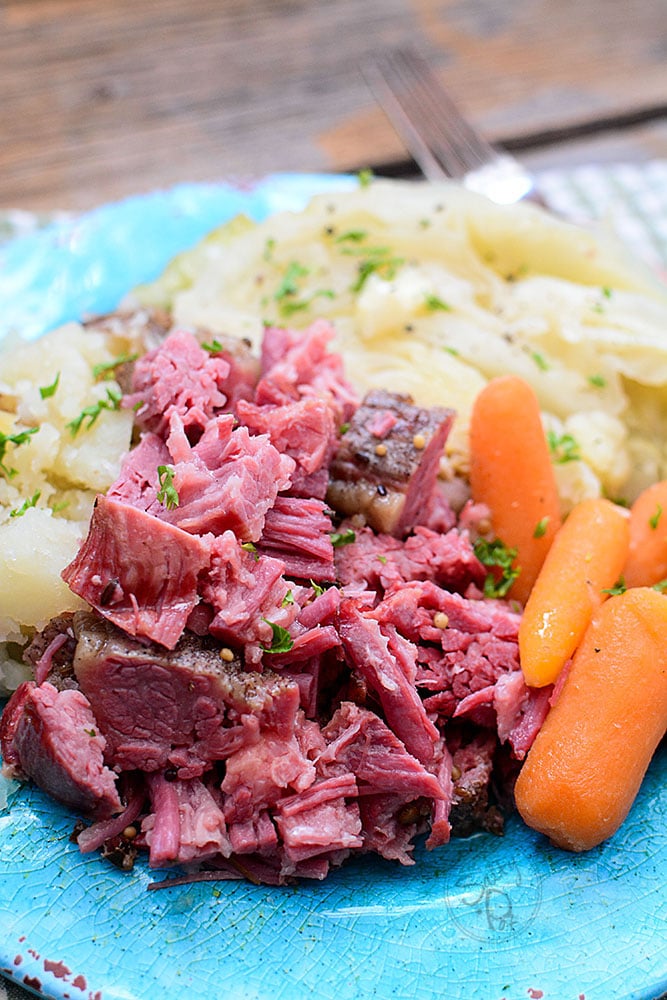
x=588 y=760
x=647 y=558
x=586 y=558
x=511 y=472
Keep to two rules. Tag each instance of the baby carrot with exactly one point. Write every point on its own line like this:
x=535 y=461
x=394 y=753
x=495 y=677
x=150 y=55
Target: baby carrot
x=511 y=472
x=586 y=558
x=585 y=767
x=647 y=558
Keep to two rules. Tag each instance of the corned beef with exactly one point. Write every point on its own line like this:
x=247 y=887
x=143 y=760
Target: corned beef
x=179 y=376
x=368 y=649
x=261 y=726
x=305 y=430
x=183 y=709
x=246 y=591
x=226 y=482
x=387 y=477
x=297 y=365
x=138 y=571
x=52 y=737
x=298 y=532
x=185 y=823
x=383 y=562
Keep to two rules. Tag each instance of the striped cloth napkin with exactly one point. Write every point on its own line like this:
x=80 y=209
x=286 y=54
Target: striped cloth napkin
x=629 y=198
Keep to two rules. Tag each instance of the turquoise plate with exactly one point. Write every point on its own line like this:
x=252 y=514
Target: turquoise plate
x=505 y=918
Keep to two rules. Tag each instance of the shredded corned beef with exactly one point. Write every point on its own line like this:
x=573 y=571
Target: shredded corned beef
x=179 y=376
x=264 y=684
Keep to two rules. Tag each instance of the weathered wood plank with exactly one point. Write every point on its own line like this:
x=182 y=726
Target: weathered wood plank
x=99 y=100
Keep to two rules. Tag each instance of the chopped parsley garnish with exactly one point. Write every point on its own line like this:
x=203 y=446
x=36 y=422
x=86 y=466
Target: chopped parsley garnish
x=599 y=381
x=269 y=247
x=435 y=304
x=289 y=307
x=654 y=520
x=344 y=428
x=213 y=348
x=21 y=437
x=250 y=547
x=365 y=177
x=497 y=555
x=339 y=538
x=288 y=599
x=598 y=307
x=378 y=262
x=563 y=447
x=288 y=286
x=92 y=412
x=46 y=391
x=167 y=493
x=281 y=641
x=541 y=528
x=20 y=511
x=352 y=236
x=660 y=586
x=317 y=589
x=106 y=369
x=287 y=292
x=383 y=559
x=540 y=361
x=618 y=588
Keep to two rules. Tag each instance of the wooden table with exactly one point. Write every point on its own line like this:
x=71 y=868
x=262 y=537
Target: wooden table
x=103 y=99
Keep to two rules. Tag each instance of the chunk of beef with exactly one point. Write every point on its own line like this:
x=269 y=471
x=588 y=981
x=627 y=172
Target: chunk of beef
x=53 y=738
x=226 y=482
x=186 y=822
x=384 y=562
x=138 y=481
x=463 y=644
x=440 y=826
x=384 y=469
x=138 y=571
x=370 y=652
x=298 y=532
x=296 y=364
x=257 y=776
x=178 y=375
x=246 y=591
x=388 y=827
x=520 y=711
x=181 y=709
x=254 y=836
x=359 y=741
x=472 y=765
x=321 y=819
x=244 y=367
x=305 y=431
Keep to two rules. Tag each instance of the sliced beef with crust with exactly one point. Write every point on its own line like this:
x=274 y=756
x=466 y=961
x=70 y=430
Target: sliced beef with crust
x=387 y=462
x=182 y=709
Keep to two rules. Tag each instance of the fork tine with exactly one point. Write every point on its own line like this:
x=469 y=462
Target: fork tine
x=416 y=102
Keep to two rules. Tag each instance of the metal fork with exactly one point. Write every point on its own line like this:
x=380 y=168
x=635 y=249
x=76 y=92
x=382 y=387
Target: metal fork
x=441 y=141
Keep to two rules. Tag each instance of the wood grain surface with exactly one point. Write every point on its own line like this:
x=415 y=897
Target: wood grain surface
x=103 y=99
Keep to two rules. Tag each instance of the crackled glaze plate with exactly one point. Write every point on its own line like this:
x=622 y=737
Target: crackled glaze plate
x=491 y=918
